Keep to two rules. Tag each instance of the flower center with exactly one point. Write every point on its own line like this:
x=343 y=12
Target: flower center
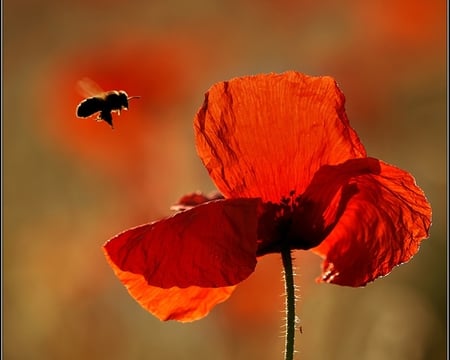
x=288 y=224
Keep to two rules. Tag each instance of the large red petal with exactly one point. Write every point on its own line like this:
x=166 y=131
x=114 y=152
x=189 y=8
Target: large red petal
x=265 y=135
x=210 y=245
x=376 y=220
x=188 y=304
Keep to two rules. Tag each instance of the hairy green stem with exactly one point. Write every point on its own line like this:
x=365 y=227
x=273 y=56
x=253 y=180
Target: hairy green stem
x=290 y=303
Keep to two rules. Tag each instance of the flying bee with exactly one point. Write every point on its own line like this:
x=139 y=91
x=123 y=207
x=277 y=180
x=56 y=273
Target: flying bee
x=101 y=102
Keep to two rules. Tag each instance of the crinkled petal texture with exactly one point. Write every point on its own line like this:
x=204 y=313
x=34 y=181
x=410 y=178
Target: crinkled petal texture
x=166 y=264
x=265 y=135
x=375 y=216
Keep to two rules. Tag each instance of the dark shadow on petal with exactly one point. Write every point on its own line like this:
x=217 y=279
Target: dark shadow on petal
x=304 y=221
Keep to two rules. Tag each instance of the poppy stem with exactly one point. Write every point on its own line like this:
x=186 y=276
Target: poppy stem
x=290 y=303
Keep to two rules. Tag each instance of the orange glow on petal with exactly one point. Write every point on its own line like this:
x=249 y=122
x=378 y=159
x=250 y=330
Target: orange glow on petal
x=265 y=135
x=380 y=224
x=184 y=305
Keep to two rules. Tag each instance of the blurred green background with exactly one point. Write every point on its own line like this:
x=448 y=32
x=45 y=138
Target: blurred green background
x=71 y=184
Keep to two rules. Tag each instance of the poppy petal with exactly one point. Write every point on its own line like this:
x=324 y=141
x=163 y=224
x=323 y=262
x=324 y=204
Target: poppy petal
x=375 y=222
x=188 y=304
x=193 y=199
x=266 y=135
x=211 y=245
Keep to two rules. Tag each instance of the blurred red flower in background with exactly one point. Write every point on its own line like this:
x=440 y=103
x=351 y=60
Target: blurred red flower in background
x=163 y=70
x=397 y=45
x=293 y=174
x=402 y=24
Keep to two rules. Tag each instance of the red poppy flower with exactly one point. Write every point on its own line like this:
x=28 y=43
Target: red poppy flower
x=293 y=174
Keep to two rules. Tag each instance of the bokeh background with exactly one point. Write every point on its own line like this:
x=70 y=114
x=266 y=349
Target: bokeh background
x=70 y=184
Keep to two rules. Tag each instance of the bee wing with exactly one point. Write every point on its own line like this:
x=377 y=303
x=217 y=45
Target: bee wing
x=88 y=87
x=90 y=106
